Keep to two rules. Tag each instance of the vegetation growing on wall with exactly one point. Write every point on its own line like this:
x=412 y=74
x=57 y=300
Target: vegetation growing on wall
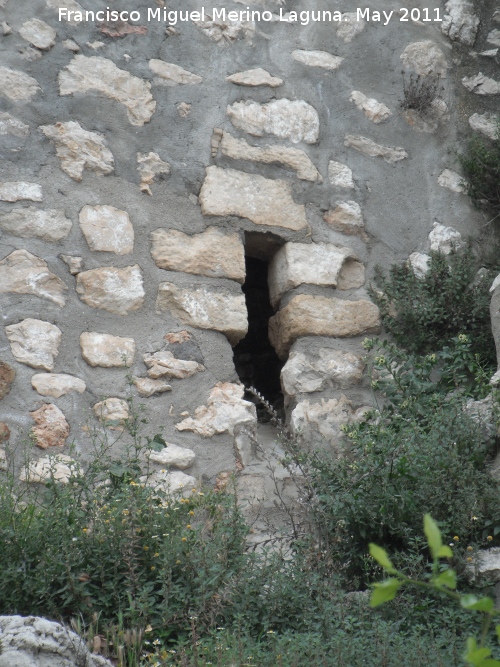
x=481 y=166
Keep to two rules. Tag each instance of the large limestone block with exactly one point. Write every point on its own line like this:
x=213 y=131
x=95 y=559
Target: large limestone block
x=314 y=371
x=317 y=59
x=34 y=343
x=373 y=110
x=254 y=77
x=107 y=351
x=112 y=413
x=444 y=239
x=175 y=483
x=485 y=123
x=38 y=33
x=23 y=273
x=118 y=291
x=225 y=410
x=451 y=180
x=56 y=384
x=172 y=75
x=321 y=316
x=13 y=126
x=205 y=308
x=295 y=120
x=346 y=218
x=370 y=148
x=108 y=229
x=148 y=387
x=7 y=377
x=17 y=86
x=306 y=263
x=18 y=190
x=239 y=149
x=460 y=23
x=33 y=223
x=261 y=200
x=62 y=469
x=51 y=428
x=212 y=253
x=78 y=149
x=151 y=167
x=424 y=58
x=172 y=455
x=481 y=84
x=164 y=364
x=103 y=76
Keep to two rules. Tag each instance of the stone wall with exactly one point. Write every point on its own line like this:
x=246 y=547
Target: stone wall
x=140 y=162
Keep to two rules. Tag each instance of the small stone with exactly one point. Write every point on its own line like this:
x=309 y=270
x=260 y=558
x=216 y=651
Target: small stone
x=17 y=86
x=7 y=377
x=295 y=120
x=370 y=148
x=317 y=59
x=151 y=167
x=226 y=31
x=107 y=351
x=481 y=85
x=173 y=483
x=261 y=200
x=374 y=111
x=107 y=229
x=71 y=45
x=486 y=123
x=172 y=455
x=212 y=253
x=103 y=76
x=340 y=175
x=306 y=373
x=70 y=5
x=51 y=428
x=496 y=16
x=460 y=23
x=148 y=387
x=308 y=315
x=19 y=190
x=172 y=75
x=164 y=364
x=254 y=77
x=349 y=27
x=33 y=223
x=424 y=58
x=225 y=410
x=4 y=435
x=205 y=308
x=95 y=45
x=6 y=29
x=452 y=181
x=57 y=384
x=38 y=33
x=121 y=29
x=79 y=149
x=346 y=218
x=239 y=149
x=489 y=53
x=444 y=239
x=74 y=264
x=24 y=273
x=494 y=37
x=34 y=343
x=62 y=469
x=183 y=109
x=3 y=457
x=419 y=263
x=13 y=126
x=119 y=291
x=112 y=413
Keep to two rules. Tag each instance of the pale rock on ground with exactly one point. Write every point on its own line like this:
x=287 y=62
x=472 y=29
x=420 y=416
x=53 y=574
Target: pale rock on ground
x=481 y=84
x=205 y=308
x=18 y=191
x=317 y=59
x=213 y=253
x=373 y=110
x=306 y=373
x=443 y=239
x=17 y=86
x=51 y=428
x=419 y=262
x=172 y=455
x=172 y=75
x=308 y=315
x=452 y=181
x=34 y=343
x=107 y=229
x=173 y=483
x=164 y=364
x=494 y=37
x=254 y=77
x=151 y=167
x=119 y=291
x=36 y=642
x=57 y=384
x=286 y=119
x=239 y=149
x=225 y=411
x=7 y=377
x=70 y=45
x=103 y=76
x=78 y=149
x=349 y=27
x=424 y=58
x=370 y=148
x=112 y=412
x=34 y=223
x=307 y=263
x=23 y=273
x=13 y=126
x=460 y=23
x=346 y=218
x=148 y=387
x=261 y=200
x=38 y=33
x=107 y=351
x=340 y=175
x=485 y=123
x=75 y=264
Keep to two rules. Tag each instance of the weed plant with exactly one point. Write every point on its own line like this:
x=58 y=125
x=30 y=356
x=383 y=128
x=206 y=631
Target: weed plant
x=481 y=166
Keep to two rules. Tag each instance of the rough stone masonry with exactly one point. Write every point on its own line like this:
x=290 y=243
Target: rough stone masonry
x=142 y=160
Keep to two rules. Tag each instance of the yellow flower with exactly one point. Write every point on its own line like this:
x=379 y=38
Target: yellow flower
x=148 y=628
x=156 y=555
x=188 y=526
x=107 y=521
x=85 y=530
x=153 y=567
x=125 y=512
x=184 y=539
x=456 y=538
x=146 y=548
x=469 y=548
x=191 y=513
x=177 y=562
x=469 y=559
x=489 y=538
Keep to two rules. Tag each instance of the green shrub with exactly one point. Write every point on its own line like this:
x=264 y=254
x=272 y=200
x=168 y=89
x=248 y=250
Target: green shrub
x=481 y=166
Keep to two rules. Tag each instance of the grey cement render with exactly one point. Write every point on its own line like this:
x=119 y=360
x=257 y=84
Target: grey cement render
x=399 y=202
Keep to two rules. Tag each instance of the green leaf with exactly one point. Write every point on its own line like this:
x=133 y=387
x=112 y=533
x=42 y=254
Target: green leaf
x=497 y=630
x=433 y=535
x=385 y=591
x=448 y=578
x=476 y=604
x=380 y=555
x=445 y=552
